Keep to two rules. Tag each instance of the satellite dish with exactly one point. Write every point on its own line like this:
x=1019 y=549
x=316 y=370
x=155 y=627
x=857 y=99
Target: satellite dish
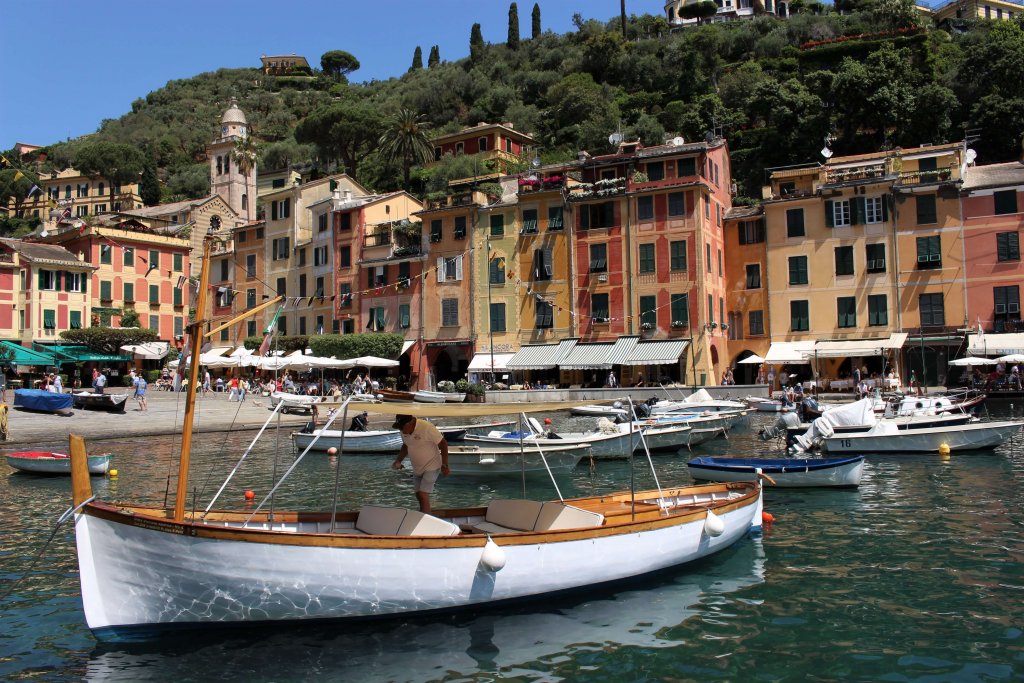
x=971 y=156
x=678 y=141
x=826 y=152
x=43 y=233
x=615 y=138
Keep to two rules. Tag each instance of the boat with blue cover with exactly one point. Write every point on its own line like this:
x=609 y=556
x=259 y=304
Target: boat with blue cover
x=43 y=401
x=787 y=472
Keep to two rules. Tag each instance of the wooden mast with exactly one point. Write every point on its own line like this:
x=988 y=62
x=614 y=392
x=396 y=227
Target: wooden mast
x=196 y=330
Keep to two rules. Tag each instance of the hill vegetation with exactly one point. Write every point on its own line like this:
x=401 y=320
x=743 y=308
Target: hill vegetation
x=873 y=78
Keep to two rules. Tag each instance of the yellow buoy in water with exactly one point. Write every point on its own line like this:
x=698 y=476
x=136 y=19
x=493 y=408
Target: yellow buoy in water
x=944 y=449
x=112 y=473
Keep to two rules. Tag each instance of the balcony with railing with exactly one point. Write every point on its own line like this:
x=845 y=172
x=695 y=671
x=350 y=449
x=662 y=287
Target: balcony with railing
x=377 y=237
x=925 y=177
x=599 y=189
x=663 y=183
x=551 y=183
x=838 y=176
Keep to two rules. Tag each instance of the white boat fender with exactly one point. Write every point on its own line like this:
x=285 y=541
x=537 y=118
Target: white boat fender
x=493 y=557
x=713 y=526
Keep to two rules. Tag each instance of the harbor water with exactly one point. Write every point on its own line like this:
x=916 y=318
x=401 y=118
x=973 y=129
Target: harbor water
x=918 y=575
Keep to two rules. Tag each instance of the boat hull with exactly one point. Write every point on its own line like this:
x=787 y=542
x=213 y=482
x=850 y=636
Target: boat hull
x=41 y=462
x=785 y=472
x=976 y=436
x=43 y=401
x=377 y=441
x=471 y=460
x=114 y=403
x=602 y=446
x=140 y=573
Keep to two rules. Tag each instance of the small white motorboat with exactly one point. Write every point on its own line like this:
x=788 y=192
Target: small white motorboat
x=45 y=462
x=373 y=441
x=598 y=411
x=764 y=405
x=660 y=437
x=424 y=396
x=886 y=437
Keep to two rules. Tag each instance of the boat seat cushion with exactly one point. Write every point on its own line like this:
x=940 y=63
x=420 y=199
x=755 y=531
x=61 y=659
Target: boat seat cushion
x=419 y=524
x=558 y=516
x=515 y=515
x=378 y=520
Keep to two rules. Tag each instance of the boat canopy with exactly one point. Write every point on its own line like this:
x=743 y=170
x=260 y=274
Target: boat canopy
x=780 y=353
x=995 y=344
x=860 y=347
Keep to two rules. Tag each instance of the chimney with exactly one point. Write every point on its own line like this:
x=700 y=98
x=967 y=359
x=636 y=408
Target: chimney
x=346 y=194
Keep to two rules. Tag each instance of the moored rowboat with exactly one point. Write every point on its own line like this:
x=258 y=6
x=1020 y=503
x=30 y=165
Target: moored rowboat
x=786 y=472
x=475 y=460
x=45 y=462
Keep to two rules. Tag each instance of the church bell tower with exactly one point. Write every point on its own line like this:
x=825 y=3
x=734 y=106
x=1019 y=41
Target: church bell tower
x=238 y=189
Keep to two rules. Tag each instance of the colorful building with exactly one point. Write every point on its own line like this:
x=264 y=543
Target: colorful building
x=649 y=251
x=993 y=212
x=44 y=290
x=498 y=146
x=747 y=284
x=70 y=194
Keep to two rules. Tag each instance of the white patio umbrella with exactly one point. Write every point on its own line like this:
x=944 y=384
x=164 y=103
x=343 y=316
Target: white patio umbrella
x=969 y=360
x=752 y=359
x=372 y=362
x=1011 y=358
x=148 y=350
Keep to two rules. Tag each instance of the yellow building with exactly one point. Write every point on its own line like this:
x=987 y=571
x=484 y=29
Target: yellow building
x=284 y=65
x=998 y=10
x=69 y=194
x=860 y=250
x=747 y=285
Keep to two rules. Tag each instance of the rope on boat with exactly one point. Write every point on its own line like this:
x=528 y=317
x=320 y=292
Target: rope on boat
x=68 y=514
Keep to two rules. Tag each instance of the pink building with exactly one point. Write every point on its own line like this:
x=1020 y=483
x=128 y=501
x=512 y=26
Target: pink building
x=993 y=211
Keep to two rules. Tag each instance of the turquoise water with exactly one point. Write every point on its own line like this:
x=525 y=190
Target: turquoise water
x=918 y=575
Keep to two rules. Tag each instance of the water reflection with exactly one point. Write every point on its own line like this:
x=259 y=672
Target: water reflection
x=498 y=641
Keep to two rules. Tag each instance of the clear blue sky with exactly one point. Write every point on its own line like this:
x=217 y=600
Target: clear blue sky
x=69 y=64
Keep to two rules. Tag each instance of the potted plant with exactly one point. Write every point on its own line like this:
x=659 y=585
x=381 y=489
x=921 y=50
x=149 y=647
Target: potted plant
x=446 y=386
x=460 y=386
x=647 y=326
x=475 y=393
x=678 y=324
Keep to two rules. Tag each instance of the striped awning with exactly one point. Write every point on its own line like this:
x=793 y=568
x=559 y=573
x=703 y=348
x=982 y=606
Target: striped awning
x=588 y=357
x=19 y=355
x=665 y=352
x=534 y=357
x=621 y=351
x=849 y=348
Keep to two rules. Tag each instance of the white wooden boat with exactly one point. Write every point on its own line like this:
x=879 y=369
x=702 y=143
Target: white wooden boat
x=697 y=402
x=784 y=472
x=764 y=405
x=373 y=441
x=146 y=568
x=699 y=435
x=660 y=437
x=299 y=403
x=482 y=428
x=913 y=422
x=595 y=410
x=603 y=445
x=885 y=437
x=425 y=396
x=46 y=462
x=482 y=461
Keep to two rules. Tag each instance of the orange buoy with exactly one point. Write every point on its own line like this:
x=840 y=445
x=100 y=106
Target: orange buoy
x=767 y=518
x=249 y=495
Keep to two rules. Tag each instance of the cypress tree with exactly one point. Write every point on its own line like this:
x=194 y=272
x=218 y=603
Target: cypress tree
x=476 y=43
x=435 y=57
x=513 y=27
x=417 y=59
x=149 y=186
x=535 y=18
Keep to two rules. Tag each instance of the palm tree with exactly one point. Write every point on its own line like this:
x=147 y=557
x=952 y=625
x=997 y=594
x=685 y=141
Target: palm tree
x=245 y=154
x=405 y=141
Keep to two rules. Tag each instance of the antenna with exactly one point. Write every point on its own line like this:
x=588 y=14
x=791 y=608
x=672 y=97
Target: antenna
x=615 y=138
x=825 y=151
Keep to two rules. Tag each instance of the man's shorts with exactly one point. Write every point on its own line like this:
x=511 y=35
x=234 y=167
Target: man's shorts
x=425 y=482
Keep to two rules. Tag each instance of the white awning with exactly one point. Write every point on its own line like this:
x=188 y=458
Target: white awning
x=148 y=350
x=995 y=344
x=780 y=353
x=857 y=348
x=406 y=345
x=622 y=350
x=482 y=362
x=656 y=352
x=534 y=357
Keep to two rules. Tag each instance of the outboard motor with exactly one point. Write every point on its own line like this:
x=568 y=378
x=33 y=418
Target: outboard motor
x=642 y=410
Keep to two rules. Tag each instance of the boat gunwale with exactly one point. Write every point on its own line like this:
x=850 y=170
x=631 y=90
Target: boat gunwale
x=648 y=517
x=812 y=464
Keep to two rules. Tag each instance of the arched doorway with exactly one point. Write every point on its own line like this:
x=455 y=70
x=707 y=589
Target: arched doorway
x=745 y=373
x=783 y=9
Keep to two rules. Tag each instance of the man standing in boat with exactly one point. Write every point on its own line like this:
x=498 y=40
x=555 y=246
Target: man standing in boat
x=428 y=453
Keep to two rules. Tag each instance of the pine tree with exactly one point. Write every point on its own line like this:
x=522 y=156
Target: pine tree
x=435 y=57
x=476 y=43
x=513 y=27
x=417 y=59
x=149 y=186
x=535 y=17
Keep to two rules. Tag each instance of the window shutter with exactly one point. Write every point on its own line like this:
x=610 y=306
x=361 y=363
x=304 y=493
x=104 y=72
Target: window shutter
x=1002 y=248
x=885 y=208
x=57 y=280
x=1013 y=246
x=538 y=263
x=548 y=262
x=85 y=282
x=829 y=216
x=858 y=210
x=440 y=268
x=369 y=278
x=458 y=267
x=585 y=217
x=68 y=281
x=273 y=211
x=42 y=279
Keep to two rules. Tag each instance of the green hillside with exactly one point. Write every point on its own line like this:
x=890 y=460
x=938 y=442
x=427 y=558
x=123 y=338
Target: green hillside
x=774 y=88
